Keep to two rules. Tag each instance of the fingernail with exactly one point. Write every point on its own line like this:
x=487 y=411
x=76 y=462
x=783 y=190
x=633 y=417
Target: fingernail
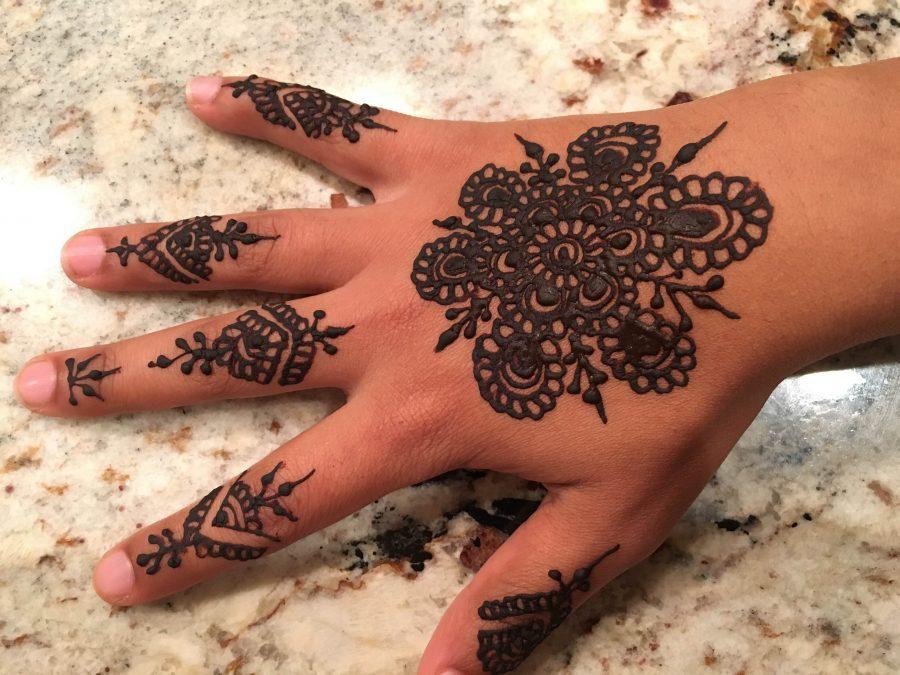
x=83 y=255
x=36 y=383
x=202 y=90
x=452 y=671
x=114 y=576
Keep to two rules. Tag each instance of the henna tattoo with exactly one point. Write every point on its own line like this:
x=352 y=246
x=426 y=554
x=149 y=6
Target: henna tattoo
x=504 y=649
x=254 y=346
x=76 y=378
x=316 y=111
x=189 y=244
x=564 y=267
x=240 y=511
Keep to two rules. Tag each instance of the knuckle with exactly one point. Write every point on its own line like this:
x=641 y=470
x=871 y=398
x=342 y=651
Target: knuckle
x=415 y=424
x=259 y=260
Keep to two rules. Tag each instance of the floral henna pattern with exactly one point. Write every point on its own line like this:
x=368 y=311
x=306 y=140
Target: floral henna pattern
x=259 y=344
x=239 y=510
x=585 y=271
x=181 y=251
x=502 y=650
x=316 y=111
x=77 y=379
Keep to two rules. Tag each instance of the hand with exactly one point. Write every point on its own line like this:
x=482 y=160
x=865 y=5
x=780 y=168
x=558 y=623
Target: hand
x=598 y=316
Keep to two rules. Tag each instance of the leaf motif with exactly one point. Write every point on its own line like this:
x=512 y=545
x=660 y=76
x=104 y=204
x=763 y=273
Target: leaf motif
x=84 y=364
x=532 y=149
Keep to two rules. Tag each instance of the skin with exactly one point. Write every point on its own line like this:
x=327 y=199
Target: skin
x=823 y=145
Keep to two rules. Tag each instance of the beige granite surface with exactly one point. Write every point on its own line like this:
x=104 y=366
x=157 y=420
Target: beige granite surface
x=789 y=561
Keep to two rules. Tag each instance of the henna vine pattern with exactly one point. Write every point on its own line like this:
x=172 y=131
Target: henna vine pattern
x=316 y=111
x=189 y=244
x=76 y=378
x=504 y=649
x=240 y=510
x=565 y=267
x=254 y=346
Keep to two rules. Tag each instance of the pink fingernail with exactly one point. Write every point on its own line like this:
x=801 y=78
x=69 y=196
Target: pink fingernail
x=83 y=255
x=36 y=383
x=114 y=576
x=202 y=90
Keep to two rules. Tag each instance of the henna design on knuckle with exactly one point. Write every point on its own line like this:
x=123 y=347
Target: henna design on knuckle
x=181 y=251
x=502 y=650
x=316 y=111
x=240 y=510
x=76 y=378
x=257 y=344
x=587 y=276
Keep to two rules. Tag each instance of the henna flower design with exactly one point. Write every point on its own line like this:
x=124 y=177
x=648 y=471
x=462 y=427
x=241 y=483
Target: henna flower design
x=257 y=344
x=241 y=510
x=586 y=273
x=525 y=620
x=318 y=113
x=182 y=251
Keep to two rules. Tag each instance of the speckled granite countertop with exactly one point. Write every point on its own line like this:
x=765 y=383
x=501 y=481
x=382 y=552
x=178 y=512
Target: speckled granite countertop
x=790 y=559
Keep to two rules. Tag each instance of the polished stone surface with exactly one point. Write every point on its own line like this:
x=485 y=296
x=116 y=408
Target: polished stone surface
x=789 y=561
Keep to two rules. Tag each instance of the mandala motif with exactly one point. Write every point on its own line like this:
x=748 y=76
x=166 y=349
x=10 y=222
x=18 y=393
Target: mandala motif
x=583 y=273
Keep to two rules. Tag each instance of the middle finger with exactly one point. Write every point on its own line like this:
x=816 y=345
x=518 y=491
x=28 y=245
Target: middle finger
x=288 y=251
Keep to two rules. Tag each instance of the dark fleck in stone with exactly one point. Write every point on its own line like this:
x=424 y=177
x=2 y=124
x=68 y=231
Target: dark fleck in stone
x=729 y=524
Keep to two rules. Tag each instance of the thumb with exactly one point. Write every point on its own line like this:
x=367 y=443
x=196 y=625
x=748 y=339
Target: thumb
x=550 y=565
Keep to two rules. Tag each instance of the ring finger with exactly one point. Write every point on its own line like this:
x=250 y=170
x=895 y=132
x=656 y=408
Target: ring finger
x=281 y=346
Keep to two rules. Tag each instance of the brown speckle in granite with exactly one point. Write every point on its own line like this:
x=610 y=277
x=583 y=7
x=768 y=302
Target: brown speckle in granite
x=26 y=460
x=222 y=454
x=76 y=116
x=43 y=166
x=654 y=7
x=177 y=439
x=680 y=97
x=763 y=626
x=572 y=99
x=9 y=489
x=52 y=560
x=234 y=666
x=590 y=64
x=66 y=540
x=156 y=95
x=275 y=426
x=338 y=200
x=110 y=475
x=56 y=489
x=710 y=658
x=879 y=579
x=14 y=642
x=831 y=632
x=480 y=547
x=882 y=492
